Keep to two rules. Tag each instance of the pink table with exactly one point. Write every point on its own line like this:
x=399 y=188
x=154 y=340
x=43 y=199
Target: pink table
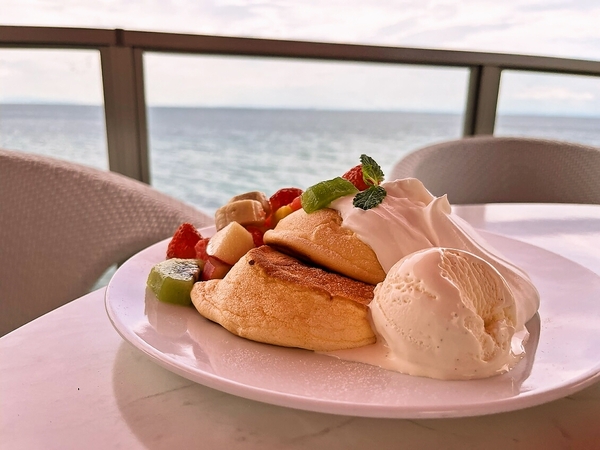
x=68 y=381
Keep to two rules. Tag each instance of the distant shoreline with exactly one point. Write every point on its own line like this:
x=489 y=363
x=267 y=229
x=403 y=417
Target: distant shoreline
x=302 y=110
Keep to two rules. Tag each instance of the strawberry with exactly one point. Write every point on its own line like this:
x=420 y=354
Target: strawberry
x=257 y=235
x=183 y=242
x=200 y=249
x=355 y=176
x=284 y=197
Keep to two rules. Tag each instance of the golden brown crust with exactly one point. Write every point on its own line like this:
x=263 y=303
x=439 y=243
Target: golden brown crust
x=273 y=298
x=319 y=237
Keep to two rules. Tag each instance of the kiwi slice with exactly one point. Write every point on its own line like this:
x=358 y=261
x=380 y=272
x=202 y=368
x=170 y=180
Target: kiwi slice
x=320 y=195
x=172 y=280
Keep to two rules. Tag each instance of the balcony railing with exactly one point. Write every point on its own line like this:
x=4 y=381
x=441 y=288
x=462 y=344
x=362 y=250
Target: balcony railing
x=121 y=54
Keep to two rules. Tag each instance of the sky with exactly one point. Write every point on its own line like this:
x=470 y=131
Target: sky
x=539 y=27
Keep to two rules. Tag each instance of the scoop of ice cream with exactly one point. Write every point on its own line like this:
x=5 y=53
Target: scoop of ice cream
x=445 y=313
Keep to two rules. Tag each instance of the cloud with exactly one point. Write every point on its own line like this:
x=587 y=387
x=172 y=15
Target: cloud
x=62 y=76
x=263 y=82
x=543 y=27
x=555 y=93
x=558 y=28
x=549 y=93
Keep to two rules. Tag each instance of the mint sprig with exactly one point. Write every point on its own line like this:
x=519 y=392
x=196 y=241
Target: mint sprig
x=372 y=176
x=369 y=198
x=372 y=173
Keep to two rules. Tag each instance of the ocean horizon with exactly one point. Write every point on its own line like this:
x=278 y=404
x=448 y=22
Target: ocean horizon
x=205 y=155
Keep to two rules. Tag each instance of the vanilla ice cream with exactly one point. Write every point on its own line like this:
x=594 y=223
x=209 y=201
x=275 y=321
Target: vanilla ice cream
x=445 y=313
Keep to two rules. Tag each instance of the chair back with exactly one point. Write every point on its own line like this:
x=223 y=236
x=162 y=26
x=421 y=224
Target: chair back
x=62 y=225
x=487 y=169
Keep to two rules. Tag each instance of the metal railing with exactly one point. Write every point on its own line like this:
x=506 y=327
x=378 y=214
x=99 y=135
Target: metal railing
x=121 y=55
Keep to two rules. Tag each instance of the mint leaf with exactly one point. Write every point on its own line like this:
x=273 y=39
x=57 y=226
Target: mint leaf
x=369 y=198
x=372 y=173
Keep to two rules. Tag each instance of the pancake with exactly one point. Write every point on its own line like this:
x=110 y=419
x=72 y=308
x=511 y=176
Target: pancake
x=320 y=238
x=274 y=298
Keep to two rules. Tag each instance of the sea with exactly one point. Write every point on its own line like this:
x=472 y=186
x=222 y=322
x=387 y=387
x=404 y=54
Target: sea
x=204 y=156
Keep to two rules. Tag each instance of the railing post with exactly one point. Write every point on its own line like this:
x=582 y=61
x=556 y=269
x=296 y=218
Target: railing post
x=482 y=100
x=125 y=111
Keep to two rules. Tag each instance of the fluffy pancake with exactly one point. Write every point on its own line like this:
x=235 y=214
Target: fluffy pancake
x=320 y=238
x=271 y=297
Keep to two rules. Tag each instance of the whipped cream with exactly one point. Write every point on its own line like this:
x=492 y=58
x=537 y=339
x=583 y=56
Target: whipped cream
x=410 y=218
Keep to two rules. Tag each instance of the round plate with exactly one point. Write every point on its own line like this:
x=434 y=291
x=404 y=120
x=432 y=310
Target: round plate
x=563 y=353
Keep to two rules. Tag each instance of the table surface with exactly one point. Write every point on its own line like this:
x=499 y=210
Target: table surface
x=68 y=381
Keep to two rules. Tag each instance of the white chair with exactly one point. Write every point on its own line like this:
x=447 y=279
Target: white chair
x=491 y=169
x=62 y=225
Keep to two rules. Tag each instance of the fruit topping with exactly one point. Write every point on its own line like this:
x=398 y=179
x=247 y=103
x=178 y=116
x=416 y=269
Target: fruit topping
x=323 y=193
x=255 y=195
x=241 y=224
x=355 y=176
x=362 y=181
x=200 y=249
x=244 y=212
x=214 y=269
x=284 y=197
x=283 y=212
x=183 y=243
x=373 y=176
x=229 y=244
x=172 y=280
x=296 y=203
x=257 y=235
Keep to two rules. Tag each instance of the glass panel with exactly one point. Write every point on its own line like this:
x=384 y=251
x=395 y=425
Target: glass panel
x=51 y=104
x=562 y=107
x=222 y=126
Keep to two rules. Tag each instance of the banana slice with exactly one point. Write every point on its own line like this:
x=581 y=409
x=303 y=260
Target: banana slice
x=244 y=212
x=255 y=195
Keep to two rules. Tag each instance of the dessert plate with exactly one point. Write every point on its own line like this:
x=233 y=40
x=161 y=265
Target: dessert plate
x=563 y=352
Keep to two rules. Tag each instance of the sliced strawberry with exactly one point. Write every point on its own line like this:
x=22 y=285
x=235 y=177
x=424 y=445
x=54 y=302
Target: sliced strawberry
x=200 y=249
x=284 y=197
x=257 y=235
x=183 y=242
x=355 y=176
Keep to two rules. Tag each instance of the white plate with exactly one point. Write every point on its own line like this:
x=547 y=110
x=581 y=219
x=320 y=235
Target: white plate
x=563 y=352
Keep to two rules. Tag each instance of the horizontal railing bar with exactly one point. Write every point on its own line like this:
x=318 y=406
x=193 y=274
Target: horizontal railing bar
x=187 y=43
x=16 y=36
x=56 y=37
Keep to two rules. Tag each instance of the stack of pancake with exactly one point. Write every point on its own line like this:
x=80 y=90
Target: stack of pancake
x=308 y=287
